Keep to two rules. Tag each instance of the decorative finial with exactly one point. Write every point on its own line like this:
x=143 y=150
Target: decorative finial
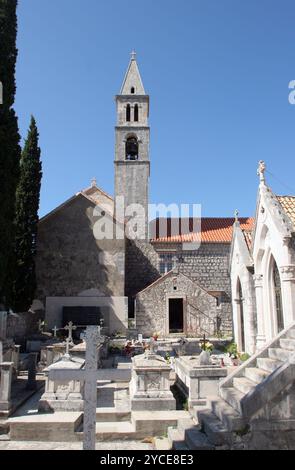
x=93 y=182
x=261 y=171
x=133 y=55
x=237 y=215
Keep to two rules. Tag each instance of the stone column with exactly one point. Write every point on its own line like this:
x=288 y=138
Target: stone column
x=32 y=384
x=288 y=293
x=5 y=386
x=49 y=355
x=15 y=357
x=3 y=325
x=260 y=338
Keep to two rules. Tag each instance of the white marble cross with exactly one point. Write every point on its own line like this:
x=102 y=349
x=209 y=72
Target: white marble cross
x=89 y=375
x=54 y=331
x=70 y=327
x=40 y=325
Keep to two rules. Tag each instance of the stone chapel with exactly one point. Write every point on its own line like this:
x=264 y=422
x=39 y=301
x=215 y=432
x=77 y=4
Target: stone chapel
x=162 y=283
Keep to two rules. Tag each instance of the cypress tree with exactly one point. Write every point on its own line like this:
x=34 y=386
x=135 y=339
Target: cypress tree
x=10 y=150
x=26 y=222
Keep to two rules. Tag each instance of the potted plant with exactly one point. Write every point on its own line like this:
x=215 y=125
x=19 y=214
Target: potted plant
x=232 y=350
x=207 y=349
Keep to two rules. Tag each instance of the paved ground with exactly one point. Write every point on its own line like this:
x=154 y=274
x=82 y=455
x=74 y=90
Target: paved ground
x=122 y=445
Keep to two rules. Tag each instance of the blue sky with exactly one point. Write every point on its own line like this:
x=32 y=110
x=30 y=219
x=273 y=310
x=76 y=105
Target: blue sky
x=217 y=72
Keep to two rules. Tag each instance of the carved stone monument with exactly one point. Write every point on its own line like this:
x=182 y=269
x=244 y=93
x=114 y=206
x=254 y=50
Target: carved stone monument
x=150 y=385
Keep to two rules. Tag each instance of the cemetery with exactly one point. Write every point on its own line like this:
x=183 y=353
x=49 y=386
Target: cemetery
x=84 y=390
x=161 y=393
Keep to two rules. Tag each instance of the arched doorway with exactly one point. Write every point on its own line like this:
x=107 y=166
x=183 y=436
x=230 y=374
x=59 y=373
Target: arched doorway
x=241 y=322
x=277 y=290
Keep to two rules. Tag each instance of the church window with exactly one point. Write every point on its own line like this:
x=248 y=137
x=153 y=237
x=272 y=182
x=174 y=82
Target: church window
x=132 y=90
x=136 y=113
x=128 y=113
x=132 y=148
x=166 y=262
x=278 y=297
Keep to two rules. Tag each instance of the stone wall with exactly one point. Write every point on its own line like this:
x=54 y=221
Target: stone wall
x=141 y=266
x=208 y=266
x=199 y=307
x=21 y=325
x=69 y=258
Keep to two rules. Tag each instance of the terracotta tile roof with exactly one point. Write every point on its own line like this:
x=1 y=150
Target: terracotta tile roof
x=248 y=237
x=288 y=205
x=213 y=230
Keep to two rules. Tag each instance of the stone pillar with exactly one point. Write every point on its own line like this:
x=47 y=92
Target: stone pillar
x=288 y=293
x=15 y=357
x=49 y=355
x=260 y=338
x=32 y=384
x=3 y=325
x=5 y=386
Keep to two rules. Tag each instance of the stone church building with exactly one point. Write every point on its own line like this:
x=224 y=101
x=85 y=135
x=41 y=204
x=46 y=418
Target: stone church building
x=163 y=282
x=262 y=266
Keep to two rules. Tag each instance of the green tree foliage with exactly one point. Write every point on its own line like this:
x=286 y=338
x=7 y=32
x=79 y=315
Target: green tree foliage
x=10 y=150
x=26 y=222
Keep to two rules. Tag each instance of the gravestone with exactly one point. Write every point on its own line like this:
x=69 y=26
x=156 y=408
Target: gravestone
x=90 y=375
x=3 y=325
x=70 y=327
x=150 y=383
x=6 y=370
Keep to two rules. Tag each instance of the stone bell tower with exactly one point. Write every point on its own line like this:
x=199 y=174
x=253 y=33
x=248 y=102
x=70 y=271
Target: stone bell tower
x=132 y=165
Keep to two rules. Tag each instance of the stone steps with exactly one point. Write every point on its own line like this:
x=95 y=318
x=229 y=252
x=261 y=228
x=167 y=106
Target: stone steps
x=197 y=440
x=243 y=384
x=228 y=416
x=175 y=437
x=268 y=364
x=216 y=432
x=291 y=333
x=255 y=374
x=112 y=415
x=107 y=431
x=287 y=343
x=279 y=354
x=162 y=443
x=46 y=427
x=233 y=397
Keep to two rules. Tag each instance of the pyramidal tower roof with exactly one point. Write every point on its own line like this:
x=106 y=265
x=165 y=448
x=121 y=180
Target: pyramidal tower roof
x=132 y=79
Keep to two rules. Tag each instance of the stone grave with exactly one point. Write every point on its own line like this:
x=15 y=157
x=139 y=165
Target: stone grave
x=196 y=381
x=150 y=384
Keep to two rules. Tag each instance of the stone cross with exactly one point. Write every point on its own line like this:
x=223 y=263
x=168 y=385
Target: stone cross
x=133 y=55
x=40 y=325
x=54 y=331
x=67 y=356
x=90 y=387
x=89 y=375
x=204 y=341
x=70 y=327
x=237 y=215
x=261 y=171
